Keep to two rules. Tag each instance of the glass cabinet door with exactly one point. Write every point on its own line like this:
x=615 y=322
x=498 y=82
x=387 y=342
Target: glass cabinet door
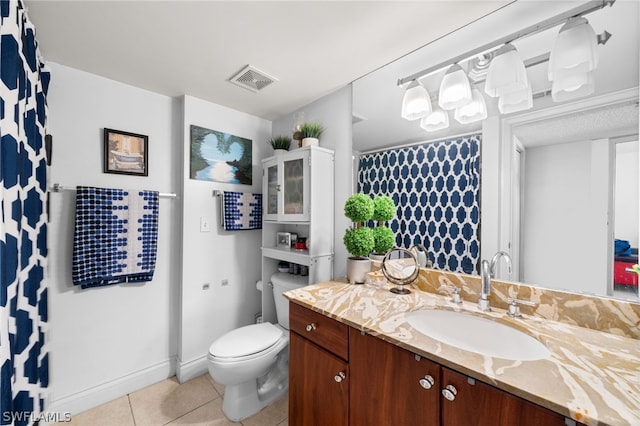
x=272 y=189
x=286 y=187
x=293 y=186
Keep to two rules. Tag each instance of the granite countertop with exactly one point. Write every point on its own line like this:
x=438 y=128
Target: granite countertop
x=591 y=376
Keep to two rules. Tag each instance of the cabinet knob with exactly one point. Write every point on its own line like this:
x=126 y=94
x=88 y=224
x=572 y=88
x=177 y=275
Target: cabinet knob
x=427 y=382
x=278 y=187
x=311 y=327
x=449 y=392
x=340 y=377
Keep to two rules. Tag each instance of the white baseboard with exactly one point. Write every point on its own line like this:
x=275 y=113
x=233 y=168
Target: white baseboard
x=186 y=371
x=105 y=392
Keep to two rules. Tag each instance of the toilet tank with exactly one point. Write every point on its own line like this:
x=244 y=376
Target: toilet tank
x=283 y=282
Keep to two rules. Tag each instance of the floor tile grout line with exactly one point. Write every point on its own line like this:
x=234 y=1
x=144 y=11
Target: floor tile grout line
x=133 y=417
x=189 y=412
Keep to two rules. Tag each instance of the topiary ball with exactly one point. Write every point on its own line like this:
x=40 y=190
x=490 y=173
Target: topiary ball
x=384 y=208
x=358 y=208
x=384 y=239
x=359 y=241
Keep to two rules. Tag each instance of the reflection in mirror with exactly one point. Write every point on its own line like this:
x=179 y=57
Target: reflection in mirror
x=513 y=218
x=567 y=171
x=400 y=267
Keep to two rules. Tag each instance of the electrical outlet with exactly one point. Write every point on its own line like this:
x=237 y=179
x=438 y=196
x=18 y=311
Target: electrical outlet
x=205 y=225
x=224 y=282
x=205 y=286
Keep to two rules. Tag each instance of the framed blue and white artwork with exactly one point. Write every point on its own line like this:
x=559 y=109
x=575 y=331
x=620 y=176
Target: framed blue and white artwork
x=220 y=157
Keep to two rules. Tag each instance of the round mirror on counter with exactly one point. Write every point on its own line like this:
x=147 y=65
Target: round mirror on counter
x=400 y=267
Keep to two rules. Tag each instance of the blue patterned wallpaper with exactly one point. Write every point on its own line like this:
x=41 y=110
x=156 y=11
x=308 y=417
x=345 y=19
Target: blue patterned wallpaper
x=436 y=187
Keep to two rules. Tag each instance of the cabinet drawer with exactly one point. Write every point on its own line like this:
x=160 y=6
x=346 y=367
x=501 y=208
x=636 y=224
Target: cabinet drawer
x=321 y=330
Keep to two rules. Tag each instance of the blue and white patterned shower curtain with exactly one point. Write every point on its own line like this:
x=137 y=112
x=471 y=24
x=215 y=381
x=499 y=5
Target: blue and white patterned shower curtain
x=436 y=187
x=23 y=227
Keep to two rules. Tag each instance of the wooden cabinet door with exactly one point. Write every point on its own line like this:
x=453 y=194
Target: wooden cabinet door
x=318 y=385
x=386 y=384
x=479 y=404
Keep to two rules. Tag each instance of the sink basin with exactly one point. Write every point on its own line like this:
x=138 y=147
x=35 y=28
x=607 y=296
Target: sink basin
x=476 y=334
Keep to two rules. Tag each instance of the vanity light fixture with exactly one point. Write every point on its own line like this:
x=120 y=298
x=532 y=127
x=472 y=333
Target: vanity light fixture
x=567 y=85
x=571 y=76
x=455 y=90
x=437 y=120
x=506 y=73
x=516 y=101
x=416 y=102
x=475 y=110
x=573 y=59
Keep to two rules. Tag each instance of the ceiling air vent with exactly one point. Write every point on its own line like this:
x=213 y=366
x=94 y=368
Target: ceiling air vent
x=252 y=79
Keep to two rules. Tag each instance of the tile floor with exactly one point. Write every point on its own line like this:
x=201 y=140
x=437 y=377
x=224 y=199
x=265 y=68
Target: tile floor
x=196 y=402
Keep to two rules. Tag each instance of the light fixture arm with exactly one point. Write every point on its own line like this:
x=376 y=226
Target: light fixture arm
x=546 y=24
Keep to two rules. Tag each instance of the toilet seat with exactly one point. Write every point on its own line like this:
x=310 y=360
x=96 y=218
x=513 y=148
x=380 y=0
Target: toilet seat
x=247 y=342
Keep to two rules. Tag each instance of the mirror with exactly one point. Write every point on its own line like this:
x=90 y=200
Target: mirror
x=600 y=122
x=400 y=267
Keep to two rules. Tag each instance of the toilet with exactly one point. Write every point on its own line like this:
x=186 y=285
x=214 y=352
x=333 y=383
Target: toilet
x=253 y=361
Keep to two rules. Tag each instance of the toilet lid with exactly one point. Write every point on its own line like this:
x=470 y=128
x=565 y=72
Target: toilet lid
x=246 y=340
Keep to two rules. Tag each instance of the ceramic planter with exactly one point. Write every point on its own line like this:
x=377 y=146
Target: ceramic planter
x=310 y=142
x=357 y=269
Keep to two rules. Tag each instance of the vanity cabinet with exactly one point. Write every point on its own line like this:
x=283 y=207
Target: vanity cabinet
x=389 y=385
x=318 y=369
x=469 y=401
x=340 y=376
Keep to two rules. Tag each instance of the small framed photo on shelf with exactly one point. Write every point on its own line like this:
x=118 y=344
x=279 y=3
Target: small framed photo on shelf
x=283 y=240
x=125 y=153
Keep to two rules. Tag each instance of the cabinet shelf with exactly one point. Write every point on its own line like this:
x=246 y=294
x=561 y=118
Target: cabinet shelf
x=301 y=257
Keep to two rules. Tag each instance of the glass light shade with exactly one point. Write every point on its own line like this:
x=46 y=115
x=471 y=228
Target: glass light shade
x=567 y=86
x=575 y=49
x=416 y=102
x=455 y=90
x=475 y=110
x=516 y=101
x=437 y=120
x=506 y=72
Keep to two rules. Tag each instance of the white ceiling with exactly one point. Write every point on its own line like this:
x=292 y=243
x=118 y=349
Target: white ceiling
x=194 y=47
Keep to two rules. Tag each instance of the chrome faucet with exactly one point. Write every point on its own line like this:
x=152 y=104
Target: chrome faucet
x=487 y=272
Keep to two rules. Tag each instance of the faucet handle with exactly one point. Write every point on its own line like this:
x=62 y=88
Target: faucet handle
x=514 y=309
x=455 y=296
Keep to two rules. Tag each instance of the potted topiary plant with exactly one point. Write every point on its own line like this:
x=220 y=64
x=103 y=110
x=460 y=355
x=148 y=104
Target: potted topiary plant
x=280 y=144
x=358 y=239
x=384 y=209
x=310 y=133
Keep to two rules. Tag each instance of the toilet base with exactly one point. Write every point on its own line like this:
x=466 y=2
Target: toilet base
x=245 y=399
x=241 y=401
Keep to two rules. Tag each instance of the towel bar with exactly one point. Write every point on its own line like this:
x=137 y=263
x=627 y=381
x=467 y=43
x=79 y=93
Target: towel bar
x=56 y=187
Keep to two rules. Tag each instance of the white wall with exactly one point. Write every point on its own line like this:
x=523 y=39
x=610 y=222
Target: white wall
x=104 y=342
x=565 y=216
x=334 y=112
x=210 y=257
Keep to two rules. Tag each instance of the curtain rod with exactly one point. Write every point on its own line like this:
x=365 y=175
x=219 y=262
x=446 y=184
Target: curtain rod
x=422 y=142
x=56 y=187
x=533 y=29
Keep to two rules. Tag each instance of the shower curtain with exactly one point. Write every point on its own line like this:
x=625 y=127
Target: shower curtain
x=436 y=187
x=23 y=226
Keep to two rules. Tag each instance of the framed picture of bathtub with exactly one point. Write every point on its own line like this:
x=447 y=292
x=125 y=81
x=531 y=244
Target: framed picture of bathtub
x=125 y=153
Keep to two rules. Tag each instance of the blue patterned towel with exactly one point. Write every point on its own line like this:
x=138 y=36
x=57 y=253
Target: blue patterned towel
x=116 y=236
x=242 y=210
